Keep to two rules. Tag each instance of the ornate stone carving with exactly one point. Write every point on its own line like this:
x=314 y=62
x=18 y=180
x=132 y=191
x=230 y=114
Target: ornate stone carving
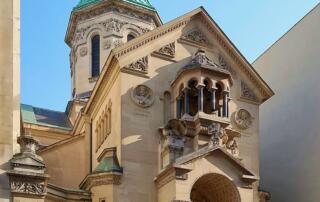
x=243 y=119
x=174 y=138
x=247 y=93
x=110 y=25
x=28 y=188
x=142 y=95
x=202 y=59
x=216 y=132
x=107 y=44
x=83 y=51
x=140 y=66
x=117 y=43
x=224 y=65
x=196 y=36
x=168 y=50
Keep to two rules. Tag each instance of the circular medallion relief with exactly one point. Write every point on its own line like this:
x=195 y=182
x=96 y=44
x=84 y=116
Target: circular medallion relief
x=243 y=119
x=142 y=95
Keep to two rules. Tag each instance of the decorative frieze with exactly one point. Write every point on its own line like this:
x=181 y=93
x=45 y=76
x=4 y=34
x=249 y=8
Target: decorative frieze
x=28 y=188
x=168 y=50
x=139 y=66
x=247 y=93
x=112 y=25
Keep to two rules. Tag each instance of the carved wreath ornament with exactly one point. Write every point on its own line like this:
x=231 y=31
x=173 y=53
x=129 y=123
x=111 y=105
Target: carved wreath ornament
x=243 y=119
x=142 y=95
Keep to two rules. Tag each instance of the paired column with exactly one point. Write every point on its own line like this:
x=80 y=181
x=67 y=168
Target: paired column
x=213 y=99
x=200 y=97
x=186 y=101
x=179 y=101
x=225 y=104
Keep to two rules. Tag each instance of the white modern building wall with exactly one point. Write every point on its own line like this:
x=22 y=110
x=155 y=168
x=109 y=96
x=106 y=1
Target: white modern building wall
x=290 y=121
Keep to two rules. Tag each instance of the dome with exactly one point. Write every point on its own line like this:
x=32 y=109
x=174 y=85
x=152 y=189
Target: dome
x=142 y=3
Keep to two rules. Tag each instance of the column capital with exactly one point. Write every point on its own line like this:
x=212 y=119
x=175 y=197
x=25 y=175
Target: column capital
x=200 y=85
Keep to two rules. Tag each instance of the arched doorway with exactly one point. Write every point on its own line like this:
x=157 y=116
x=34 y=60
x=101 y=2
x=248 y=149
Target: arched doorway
x=214 y=188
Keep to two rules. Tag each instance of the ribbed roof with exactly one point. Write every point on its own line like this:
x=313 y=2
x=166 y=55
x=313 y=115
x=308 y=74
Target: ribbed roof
x=45 y=117
x=142 y=3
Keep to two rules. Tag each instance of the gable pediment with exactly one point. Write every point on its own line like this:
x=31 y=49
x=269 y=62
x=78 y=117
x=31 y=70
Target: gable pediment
x=227 y=158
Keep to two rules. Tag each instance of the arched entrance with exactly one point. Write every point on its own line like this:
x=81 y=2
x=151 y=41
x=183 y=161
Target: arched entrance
x=214 y=188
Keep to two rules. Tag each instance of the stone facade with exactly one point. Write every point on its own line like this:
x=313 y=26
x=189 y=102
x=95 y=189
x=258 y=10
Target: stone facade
x=9 y=88
x=172 y=116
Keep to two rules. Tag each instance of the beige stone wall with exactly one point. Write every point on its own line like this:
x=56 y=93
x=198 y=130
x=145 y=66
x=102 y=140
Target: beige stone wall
x=9 y=87
x=66 y=163
x=140 y=136
x=290 y=120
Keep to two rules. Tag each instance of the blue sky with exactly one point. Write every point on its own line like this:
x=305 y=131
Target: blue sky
x=252 y=25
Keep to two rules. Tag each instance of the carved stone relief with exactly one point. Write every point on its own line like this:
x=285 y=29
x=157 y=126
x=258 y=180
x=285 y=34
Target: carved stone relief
x=196 y=36
x=28 y=188
x=109 y=25
x=83 y=51
x=142 y=95
x=140 y=66
x=201 y=58
x=247 y=93
x=117 y=43
x=243 y=119
x=107 y=44
x=226 y=66
x=168 y=50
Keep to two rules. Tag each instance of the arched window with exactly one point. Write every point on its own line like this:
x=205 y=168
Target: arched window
x=193 y=97
x=95 y=56
x=130 y=37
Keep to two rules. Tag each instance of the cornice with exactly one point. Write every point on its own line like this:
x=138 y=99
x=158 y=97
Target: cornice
x=108 y=6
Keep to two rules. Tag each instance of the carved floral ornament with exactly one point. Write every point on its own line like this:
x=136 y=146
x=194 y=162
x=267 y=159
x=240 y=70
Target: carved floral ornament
x=142 y=95
x=139 y=66
x=243 y=119
x=28 y=188
x=168 y=50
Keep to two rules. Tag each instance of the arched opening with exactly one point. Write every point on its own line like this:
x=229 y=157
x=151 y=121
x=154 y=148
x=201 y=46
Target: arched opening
x=214 y=188
x=130 y=37
x=193 y=97
x=95 y=56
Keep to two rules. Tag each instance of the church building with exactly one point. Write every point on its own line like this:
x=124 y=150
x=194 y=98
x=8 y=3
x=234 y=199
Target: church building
x=158 y=113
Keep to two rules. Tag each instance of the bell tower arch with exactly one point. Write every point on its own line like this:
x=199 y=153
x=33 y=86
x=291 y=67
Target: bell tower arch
x=95 y=28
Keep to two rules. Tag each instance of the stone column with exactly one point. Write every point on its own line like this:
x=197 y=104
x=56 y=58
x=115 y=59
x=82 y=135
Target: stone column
x=213 y=99
x=186 y=100
x=225 y=104
x=200 y=97
x=28 y=176
x=178 y=109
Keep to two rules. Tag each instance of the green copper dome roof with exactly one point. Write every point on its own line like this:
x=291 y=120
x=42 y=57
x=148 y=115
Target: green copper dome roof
x=141 y=3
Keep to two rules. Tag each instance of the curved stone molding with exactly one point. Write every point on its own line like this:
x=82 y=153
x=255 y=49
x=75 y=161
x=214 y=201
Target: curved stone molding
x=243 y=119
x=140 y=66
x=142 y=95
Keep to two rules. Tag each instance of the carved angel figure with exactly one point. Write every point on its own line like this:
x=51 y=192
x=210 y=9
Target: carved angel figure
x=216 y=132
